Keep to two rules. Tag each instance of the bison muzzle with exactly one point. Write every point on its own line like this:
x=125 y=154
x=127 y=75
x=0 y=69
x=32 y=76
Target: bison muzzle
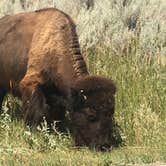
x=41 y=62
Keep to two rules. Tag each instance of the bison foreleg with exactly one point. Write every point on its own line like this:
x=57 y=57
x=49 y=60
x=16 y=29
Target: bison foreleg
x=34 y=102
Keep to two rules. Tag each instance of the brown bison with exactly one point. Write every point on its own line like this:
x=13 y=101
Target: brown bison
x=41 y=62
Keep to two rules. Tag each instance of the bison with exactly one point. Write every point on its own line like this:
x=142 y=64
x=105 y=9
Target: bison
x=41 y=63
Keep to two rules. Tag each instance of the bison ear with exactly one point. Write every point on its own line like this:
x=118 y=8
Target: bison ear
x=78 y=99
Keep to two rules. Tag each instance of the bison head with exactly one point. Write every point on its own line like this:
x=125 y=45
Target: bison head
x=93 y=109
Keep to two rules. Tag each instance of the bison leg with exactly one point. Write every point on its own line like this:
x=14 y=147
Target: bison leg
x=57 y=101
x=57 y=112
x=2 y=94
x=34 y=102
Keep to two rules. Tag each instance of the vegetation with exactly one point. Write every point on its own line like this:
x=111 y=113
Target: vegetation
x=115 y=23
x=127 y=44
x=140 y=113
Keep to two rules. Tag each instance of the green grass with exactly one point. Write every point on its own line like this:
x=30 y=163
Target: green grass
x=140 y=113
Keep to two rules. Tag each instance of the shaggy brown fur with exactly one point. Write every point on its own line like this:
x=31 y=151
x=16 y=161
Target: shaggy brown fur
x=41 y=62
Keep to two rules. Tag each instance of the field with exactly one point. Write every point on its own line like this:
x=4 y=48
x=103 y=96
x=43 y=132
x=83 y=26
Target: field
x=130 y=48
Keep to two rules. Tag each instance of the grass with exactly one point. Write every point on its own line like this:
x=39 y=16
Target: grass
x=140 y=113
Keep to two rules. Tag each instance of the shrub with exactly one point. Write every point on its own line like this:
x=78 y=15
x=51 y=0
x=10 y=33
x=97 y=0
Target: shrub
x=120 y=25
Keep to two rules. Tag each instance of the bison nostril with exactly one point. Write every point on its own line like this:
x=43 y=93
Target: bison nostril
x=104 y=147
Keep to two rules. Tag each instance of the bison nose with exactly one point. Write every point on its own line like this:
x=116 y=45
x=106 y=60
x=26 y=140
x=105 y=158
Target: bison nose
x=105 y=147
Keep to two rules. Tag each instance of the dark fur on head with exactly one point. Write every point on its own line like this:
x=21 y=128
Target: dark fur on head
x=93 y=109
x=91 y=84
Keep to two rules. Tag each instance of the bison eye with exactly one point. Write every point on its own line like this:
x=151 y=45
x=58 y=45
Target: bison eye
x=92 y=118
x=90 y=114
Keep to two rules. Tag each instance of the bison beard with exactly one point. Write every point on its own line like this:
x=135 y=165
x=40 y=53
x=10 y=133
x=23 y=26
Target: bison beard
x=41 y=62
